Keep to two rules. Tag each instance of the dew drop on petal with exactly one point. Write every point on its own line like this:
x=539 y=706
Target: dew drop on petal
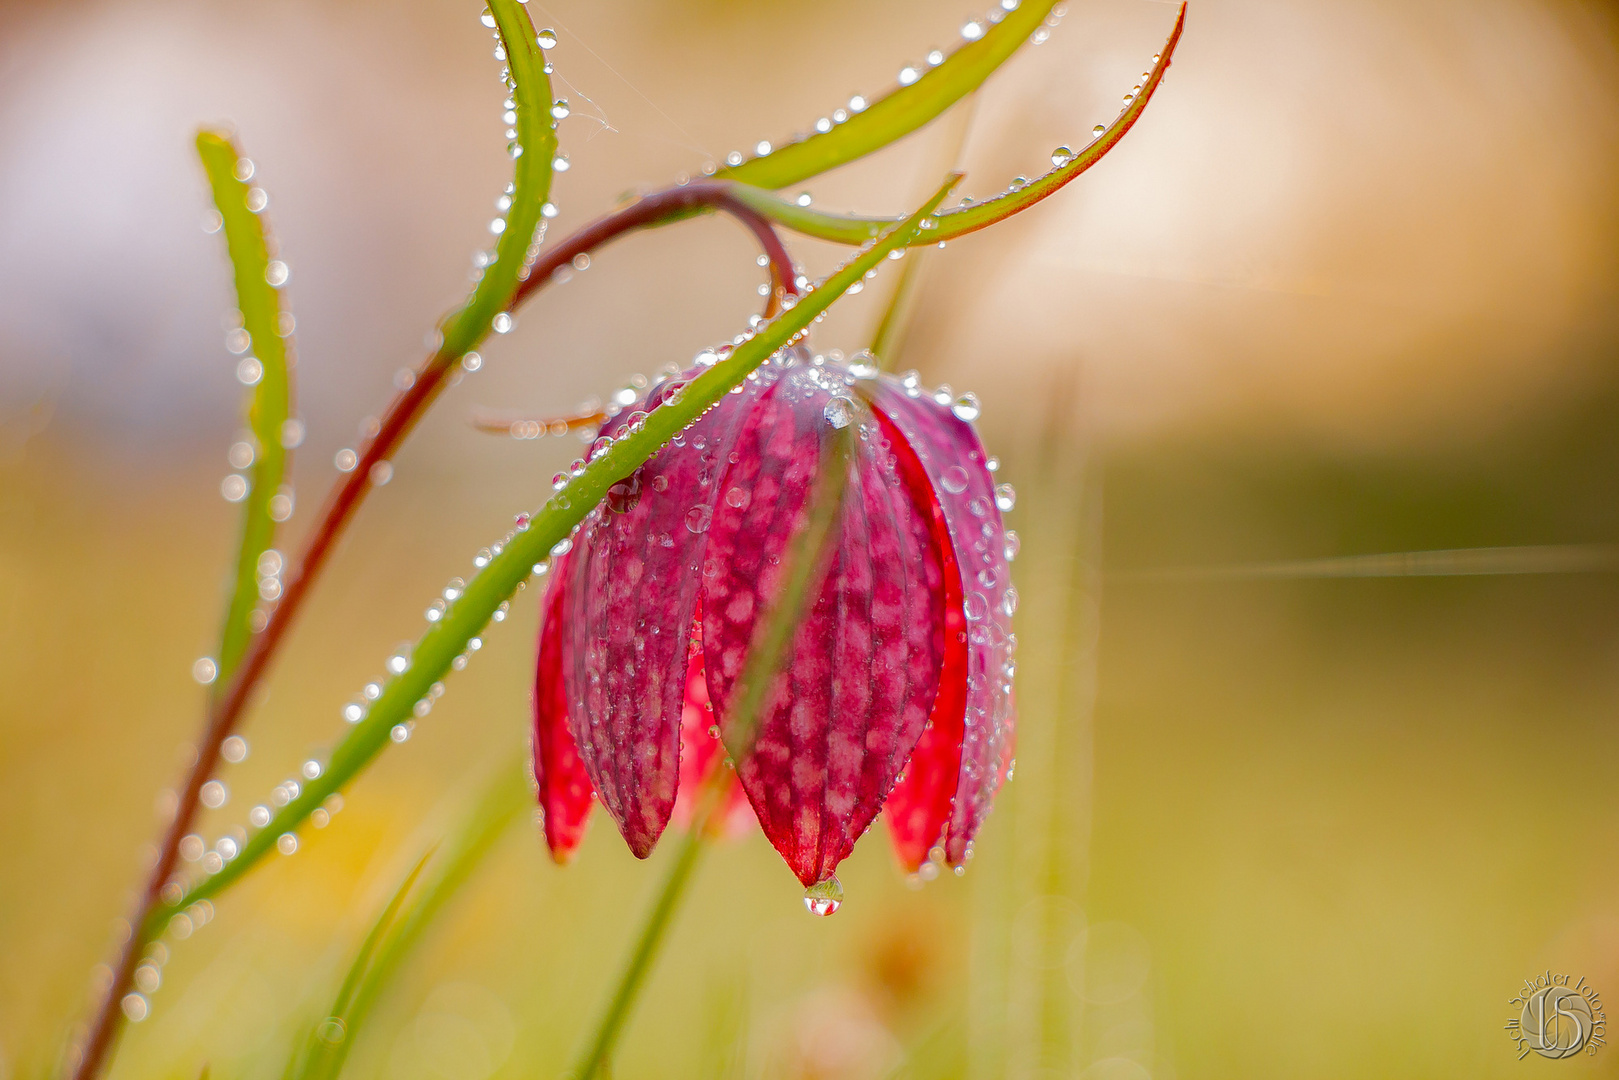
x=698 y=518
x=839 y=412
x=954 y=480
x=1014 y=544
x=1005 y=497
x=824 y=897
x=966 y=407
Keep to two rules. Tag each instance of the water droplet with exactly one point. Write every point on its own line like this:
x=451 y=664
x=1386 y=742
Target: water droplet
x=234 y=749
x=502 y=323
x=546 y=38
x=839 y=412
x=549 y=210
x=259 y=816
x=560 y=163
x=857 y=104
x=381 y=473
x=908 y=75
x=975 y=606
x=954 y=480
x=257 y=199
x=1009 y=601
x=824 y=897
x=487 y=18
x=1096 y=132
x=1061 y=156
x=514 y=150
x=249 y=371
x=135 y=1007
x=935 y=58
x=276 y=273
x=966 y=407
x=214 y=794
x=332 y=1031
x=698 y=518
x=1014 y=544
x=205 y=670
x=560 y=108
x=972 y=30
x=1005 y=497
x=622 y=496
x=286 y=843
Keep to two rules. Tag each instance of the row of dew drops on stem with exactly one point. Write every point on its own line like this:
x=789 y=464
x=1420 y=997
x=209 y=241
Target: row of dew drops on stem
x=972 y=29
x=244 y=449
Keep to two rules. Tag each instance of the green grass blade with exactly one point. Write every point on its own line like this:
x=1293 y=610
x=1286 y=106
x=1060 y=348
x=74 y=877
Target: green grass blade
x=899 y=112
x=399 y=928
x=269 y=402
x=852 y=229
x=515 y=560
x=323 y=1054
x=536 y=148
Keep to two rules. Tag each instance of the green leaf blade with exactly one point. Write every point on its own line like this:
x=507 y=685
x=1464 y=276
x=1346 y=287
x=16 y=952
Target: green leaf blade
x=855 y=229
x=270 y=400
x=530 y=85
x=901 y=111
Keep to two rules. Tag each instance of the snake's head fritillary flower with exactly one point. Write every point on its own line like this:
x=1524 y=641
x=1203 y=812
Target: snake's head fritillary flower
x=896 y=690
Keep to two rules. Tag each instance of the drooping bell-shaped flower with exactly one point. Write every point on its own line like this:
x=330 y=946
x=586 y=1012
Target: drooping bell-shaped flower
x=896 y=689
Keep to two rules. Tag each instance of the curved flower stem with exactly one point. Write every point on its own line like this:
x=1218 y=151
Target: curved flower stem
x=226 y=709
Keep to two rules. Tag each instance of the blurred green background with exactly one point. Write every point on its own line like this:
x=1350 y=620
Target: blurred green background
x=1352 y=286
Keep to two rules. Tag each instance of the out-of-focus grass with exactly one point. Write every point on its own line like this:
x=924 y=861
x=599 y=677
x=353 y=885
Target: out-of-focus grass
x=1333 y=823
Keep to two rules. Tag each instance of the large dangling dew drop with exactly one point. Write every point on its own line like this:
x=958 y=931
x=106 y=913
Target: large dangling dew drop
x=824 y=897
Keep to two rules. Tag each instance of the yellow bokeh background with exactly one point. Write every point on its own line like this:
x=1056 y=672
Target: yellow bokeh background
x=1350 y=287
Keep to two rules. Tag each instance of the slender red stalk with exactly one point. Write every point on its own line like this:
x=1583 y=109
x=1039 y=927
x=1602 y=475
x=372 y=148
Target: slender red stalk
x=227 y=706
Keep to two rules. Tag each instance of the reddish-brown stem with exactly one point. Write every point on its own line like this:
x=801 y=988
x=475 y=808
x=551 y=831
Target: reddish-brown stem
x=227 y=705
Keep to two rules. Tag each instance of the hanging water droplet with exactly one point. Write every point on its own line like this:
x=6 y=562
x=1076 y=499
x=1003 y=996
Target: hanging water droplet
x=1014 y=544
x=1061 y=156
x=824 y=897
x=560 y=108
x=908 y=75
x=839 y=412
x=546 y=38
x=966 y=407
x=560 y=163
x=514 y=149
x=857 y=104
x=972 y=30
x=1096 y=132
x=935 y=58
x=1005 y=497
x=487 y=18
